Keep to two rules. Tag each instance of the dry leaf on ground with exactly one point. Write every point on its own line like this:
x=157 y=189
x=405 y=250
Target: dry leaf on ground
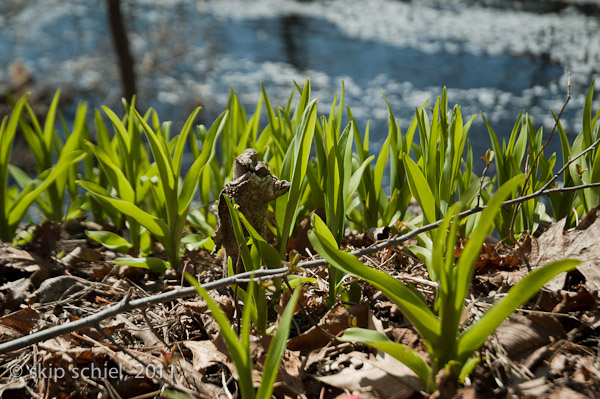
x=358 y=371
x=580 y=243
x=335 y=321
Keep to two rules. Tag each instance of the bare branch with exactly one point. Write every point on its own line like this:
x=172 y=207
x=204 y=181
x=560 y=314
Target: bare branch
x=400 y=239
x=565 y=166
x=537 y=156
x=126 y=305
x=261 y=274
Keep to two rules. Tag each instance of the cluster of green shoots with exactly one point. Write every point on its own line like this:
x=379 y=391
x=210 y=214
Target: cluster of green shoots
x=129 y=177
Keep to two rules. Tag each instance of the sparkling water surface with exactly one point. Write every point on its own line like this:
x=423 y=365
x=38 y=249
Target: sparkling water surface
x=496 y=57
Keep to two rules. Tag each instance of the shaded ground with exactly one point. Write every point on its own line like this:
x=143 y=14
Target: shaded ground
x=550 y=348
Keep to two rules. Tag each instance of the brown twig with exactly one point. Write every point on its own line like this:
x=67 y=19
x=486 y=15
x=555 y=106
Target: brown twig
x=257 y=275
x=127 y=305
x=488 y=161
x=152 y=329
x=400 y=239
x=535 y=160
x=565 y=166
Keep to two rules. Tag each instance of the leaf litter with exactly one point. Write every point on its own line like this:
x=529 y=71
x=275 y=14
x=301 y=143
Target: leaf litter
x=550 y=348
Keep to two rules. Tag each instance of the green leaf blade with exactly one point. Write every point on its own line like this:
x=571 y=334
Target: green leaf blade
x=277 y=348
x=420 y=189
x=409 y=303
x=110 y=240
x=239 y=354
x=155 y=226
x=477 y=333
x=154 y=264
x=26 y=198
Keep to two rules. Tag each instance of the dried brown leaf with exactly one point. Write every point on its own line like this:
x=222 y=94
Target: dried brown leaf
x=566 y=393
x=289 y=378
x=81 y=255
x=22 y=320
x=335 y=321
x=17 y=292
x=386 y=376
x=205 y=354
x=520 y=334
x=579 y=243
x=54 y=289
x=575 y=301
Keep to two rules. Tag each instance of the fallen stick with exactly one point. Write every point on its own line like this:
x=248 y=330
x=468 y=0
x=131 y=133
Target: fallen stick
x=256 y=275
x=125 y=305
x=411 y=234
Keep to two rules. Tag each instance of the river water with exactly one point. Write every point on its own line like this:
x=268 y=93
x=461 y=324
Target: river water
x=498 y=57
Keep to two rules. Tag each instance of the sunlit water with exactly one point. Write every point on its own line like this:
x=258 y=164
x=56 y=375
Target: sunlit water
x=493 y=58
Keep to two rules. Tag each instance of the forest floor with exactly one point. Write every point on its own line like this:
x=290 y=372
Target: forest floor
x=550 y=348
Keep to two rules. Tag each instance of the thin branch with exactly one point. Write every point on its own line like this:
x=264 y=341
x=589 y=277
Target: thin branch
x=152 y=329
x=565 y=166
x=257 y=275
x=400 y=239
x=537 y=156
x=487 y=165
x=126 y=305
x=549 y=191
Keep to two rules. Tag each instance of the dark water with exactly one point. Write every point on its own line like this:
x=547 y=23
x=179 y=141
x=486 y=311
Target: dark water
x=496 y=57
x=314 y=44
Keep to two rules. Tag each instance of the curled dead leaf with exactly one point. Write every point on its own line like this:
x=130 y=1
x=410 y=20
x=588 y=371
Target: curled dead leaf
x=335 y=321
x=22 y=320
x=580 y=243
x=520 y=334
x=382 y=375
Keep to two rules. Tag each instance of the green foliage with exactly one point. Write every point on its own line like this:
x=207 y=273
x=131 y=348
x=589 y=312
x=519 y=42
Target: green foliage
x=239 y=132
x=123 y=161
x=295 y=161
x=155 y=264
x=110 y=240
x=434 y=178
x=440 y=330
x=239 y=348
x=376 y=208
x=329 y=167
x=333 y=179
x=46 y=145
x=522 y=154
x=172 y=196
x=254 y=253
x=586 y=169
x=14 y=204
x=133 y=178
